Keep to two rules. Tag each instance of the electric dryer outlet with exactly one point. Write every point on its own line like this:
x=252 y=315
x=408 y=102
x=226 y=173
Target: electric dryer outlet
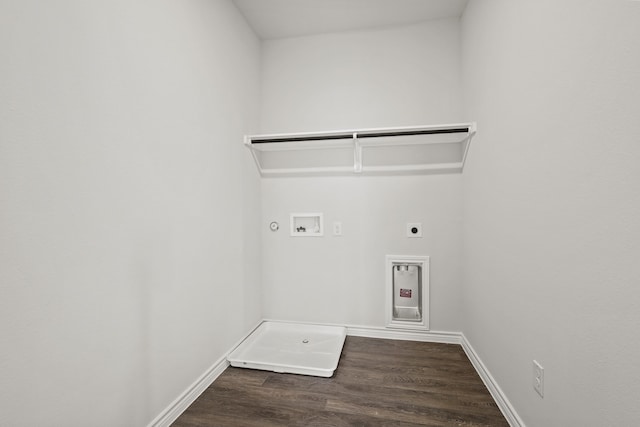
x=414 y=229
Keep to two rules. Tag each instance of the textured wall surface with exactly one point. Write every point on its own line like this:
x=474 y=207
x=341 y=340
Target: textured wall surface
x=551 y=205
x=129 y=248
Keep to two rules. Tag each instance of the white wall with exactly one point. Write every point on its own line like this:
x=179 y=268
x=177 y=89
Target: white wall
x=387 y=77
x=551 y=205
x=125 y=194
x=398 y=76
x=342 y=279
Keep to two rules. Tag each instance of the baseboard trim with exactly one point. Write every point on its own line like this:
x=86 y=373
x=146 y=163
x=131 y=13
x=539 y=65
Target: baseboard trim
x=186 y=398
x=397 y=334
x=178 y=406
x=498 y=395
x=182 y=402
x=390 y=333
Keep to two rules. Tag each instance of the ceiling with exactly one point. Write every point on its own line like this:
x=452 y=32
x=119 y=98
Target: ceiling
x=290 y=18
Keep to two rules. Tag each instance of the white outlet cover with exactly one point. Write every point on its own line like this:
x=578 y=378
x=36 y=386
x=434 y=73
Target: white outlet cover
x=337 y=228
x=414 y=229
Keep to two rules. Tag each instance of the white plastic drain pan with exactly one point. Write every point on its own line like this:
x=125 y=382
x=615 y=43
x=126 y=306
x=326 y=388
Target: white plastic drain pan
x=293 y=348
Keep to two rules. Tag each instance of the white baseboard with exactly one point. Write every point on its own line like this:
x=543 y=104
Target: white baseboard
x=390 y=333
x=178 y=406
x=182 y=402
x=496 y=392
x=397 y=334
x=447 y=338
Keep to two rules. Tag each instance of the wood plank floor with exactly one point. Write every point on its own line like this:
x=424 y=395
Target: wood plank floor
x=377 y=383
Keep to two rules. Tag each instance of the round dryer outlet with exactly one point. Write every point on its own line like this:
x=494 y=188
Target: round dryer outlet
x=414 y=229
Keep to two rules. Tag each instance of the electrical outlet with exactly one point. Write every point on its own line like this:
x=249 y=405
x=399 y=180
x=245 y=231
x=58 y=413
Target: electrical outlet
x=337 y=228
x=414 y=229
x=538 y=378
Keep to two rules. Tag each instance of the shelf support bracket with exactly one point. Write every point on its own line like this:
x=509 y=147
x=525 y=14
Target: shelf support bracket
x=357 y=154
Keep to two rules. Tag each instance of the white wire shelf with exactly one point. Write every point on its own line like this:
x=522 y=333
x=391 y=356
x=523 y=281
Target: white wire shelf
x=432 y=149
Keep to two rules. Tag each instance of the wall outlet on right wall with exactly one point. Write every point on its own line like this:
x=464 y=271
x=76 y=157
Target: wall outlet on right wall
x=538 y=378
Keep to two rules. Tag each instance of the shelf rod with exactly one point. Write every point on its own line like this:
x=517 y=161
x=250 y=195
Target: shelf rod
x=359 y=135
x=413 y=132
x=301 y=138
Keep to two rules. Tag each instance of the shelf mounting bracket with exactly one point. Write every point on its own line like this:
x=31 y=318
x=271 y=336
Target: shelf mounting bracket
x=357 y=154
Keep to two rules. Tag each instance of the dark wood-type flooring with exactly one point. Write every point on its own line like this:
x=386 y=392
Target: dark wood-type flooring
x=377 y=383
